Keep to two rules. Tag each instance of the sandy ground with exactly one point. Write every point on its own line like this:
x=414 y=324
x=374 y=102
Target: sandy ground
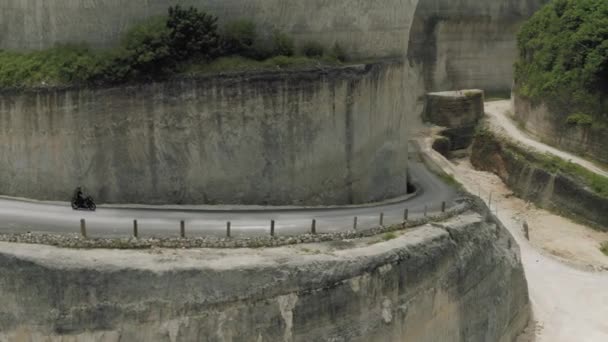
x=569 y=295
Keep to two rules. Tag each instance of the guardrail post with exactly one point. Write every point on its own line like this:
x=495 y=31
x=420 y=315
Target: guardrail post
x=83 y=228
x=228 y=227
x=526 y=230
x=271 y=227
x=182 y=229
x=313 y=227
x=135 y=229
x=355 y=223
x=406 y=214
x=443 y=207
x=381 y=219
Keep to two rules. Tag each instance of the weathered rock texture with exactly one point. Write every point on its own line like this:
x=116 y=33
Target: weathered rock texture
x=462 y=282
x=532 y=181
x=468 y=43
x=459 y=112
x=312 y=137
x=550 y=126
x=364 y=28
x=459 y=44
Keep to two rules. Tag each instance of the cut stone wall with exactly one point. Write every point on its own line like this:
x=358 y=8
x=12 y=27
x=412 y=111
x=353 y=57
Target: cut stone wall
x=551 y=127
x=533 y=182
x=461 y=280
x=364 y=28
x=457 y=44
x=311 y=137
x=468 y=43
x=459 y=112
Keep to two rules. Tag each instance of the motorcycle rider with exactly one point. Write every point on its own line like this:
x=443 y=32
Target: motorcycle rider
x=79 y=196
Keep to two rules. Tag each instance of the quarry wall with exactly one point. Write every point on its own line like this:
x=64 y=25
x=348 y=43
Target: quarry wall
x=551 y=127
x=458 y=112
x=364 y=28
x=457 y=44
x=468 y=43
x=331 y=136
x=323 y=140
x=461 y=280
x=536 y=183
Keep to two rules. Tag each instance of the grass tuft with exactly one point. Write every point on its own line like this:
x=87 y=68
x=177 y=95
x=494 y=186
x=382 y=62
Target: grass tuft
x=604 y=248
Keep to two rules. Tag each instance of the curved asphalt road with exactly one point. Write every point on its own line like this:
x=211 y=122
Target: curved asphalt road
x=38 y=217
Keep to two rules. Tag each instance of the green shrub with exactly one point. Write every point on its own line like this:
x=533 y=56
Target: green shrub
x=282 y=44
x=58 y=65
x=239 y=37
x=564 y=57
x=313 y=49
x=338 y=53
x=580 y=119
x=389 y=236
x=604 y=248
x=186 y=40
x=193 y=34
x=144 y=53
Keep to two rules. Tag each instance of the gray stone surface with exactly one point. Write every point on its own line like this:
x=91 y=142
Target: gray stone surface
x=458 y=112
x=550 y=126
x=461 y=280
x=458 y=44
x=364 y=28
x=534 y=182
x=309 y=137
x=468 y=43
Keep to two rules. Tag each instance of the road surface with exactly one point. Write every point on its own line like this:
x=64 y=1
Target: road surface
x=497 y=113
x=21 y=216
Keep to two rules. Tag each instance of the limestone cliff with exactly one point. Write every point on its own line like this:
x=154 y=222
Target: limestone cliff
x=533 y=180
x=322 y=136
x=458 y=281
x=550 y=125
x=468 y=43
x=459 y=44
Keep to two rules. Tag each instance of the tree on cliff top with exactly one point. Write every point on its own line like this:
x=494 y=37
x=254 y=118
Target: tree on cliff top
x=564 y=56
x=193 y=33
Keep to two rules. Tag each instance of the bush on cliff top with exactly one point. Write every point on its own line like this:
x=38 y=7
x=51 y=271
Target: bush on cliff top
x=61 y=64
x=564 y=57
x=187 y=40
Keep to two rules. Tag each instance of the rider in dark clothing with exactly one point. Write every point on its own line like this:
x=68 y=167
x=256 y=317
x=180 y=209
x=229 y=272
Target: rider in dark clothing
x=78 y=195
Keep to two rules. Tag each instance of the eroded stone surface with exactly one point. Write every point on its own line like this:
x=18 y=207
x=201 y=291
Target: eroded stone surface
x=462 y=281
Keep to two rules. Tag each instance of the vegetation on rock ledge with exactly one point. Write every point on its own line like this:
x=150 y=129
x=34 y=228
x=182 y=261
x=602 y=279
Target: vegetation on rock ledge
x=185 y=41
x=564 y=58
x=489 y=144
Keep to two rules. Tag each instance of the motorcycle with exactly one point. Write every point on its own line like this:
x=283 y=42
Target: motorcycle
x=86 y=203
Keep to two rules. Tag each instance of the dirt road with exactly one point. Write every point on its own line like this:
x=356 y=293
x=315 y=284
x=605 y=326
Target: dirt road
x=501 y=123
x=570 y=304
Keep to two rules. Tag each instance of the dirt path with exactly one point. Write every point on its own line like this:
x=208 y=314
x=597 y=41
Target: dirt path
x=570 y=303
x=502 y=124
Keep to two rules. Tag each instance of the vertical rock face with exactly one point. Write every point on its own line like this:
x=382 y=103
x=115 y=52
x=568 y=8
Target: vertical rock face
x=550 y=125
x=459 y=112
x=459 y=282
x=535 y=182
x=313 y=137
x=364 y=28
x=468 y=43
x=460 y=44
